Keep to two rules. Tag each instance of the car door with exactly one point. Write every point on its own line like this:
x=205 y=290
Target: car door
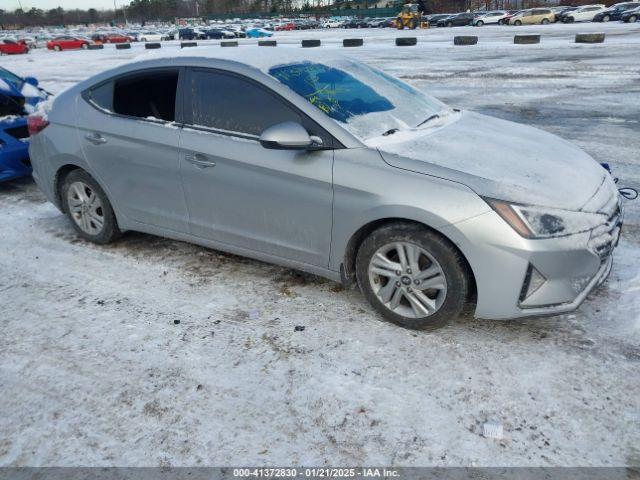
x=276 y=202
x=536 y=16
x=130 y=141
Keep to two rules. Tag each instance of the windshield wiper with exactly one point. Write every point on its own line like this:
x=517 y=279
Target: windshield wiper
x=390 y=132
x=432 y=117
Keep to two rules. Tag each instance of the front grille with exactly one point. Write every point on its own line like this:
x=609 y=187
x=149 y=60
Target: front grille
x=604 y=238
x=18 y=132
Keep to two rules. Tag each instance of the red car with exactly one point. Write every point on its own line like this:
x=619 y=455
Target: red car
x=116 y=38
x=11 y=47
x=67 y=43
x=286 y=27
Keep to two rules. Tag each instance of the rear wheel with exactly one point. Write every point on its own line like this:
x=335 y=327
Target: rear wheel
x=517 y=23
x=479 y=23
x=414 y=277
x=88 y=207
x=545 y=21
x=606 y=18
x=632 y=19
x=57 y=48
x=84 y=46
x=449 y=24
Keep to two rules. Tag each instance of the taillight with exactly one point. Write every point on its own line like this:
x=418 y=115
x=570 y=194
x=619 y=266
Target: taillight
x=35 y=124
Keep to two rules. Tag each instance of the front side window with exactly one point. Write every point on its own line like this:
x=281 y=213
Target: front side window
x=234 y=104
x=366 y=101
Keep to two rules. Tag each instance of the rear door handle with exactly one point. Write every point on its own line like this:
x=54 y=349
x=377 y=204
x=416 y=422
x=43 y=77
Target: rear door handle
x=95 y=138
x=199 y=160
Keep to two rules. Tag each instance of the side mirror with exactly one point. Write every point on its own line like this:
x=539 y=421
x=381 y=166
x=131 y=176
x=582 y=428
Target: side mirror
x=288 y=136
x=31 y=81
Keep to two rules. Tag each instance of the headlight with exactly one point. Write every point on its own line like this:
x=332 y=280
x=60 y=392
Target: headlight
x=542 y=222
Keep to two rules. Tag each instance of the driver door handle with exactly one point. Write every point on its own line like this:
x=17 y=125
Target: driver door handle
x=199 y=160
x=95 y=138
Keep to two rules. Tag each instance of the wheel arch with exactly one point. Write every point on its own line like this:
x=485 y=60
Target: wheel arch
x=63 y=171
x=58 y=180
x=348 y=265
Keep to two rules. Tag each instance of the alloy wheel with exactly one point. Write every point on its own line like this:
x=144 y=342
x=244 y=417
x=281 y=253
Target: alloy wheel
x=407 y=280
x=85 y=208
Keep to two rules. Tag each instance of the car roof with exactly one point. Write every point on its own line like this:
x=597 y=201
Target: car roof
x=254 y=56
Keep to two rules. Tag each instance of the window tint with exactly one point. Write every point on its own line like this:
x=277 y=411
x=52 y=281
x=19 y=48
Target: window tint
x=149 y=95
x=231 y=103
x=102 y=96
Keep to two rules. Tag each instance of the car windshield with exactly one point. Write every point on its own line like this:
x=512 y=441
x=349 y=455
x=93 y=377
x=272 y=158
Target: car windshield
x=8 y=80
x=367 y=101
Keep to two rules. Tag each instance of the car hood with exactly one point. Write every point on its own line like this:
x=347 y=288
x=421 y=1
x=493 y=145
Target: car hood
x=498 y=159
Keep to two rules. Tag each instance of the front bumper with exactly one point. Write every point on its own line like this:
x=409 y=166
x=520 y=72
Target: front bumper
x=501 y=261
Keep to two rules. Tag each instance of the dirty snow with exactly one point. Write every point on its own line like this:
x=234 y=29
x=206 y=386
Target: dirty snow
x=151 y=352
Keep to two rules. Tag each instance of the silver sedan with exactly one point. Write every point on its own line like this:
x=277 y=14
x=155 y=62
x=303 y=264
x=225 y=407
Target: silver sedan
x=320 y=163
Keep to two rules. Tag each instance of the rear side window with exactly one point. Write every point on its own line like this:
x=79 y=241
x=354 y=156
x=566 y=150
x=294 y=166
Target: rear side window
x=102 y=96
x=151 y=95
x=234 y=104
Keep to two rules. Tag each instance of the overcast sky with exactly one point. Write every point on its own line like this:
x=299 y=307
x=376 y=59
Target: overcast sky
x=66 y=4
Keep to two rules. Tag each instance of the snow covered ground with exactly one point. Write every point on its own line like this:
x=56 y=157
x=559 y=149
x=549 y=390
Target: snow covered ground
x=153 y=352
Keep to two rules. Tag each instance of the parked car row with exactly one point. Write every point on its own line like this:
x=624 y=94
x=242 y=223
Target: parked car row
x=627 y=11
x=20 y=43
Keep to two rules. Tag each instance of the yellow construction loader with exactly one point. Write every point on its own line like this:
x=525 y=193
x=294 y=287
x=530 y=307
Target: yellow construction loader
x=410 y=17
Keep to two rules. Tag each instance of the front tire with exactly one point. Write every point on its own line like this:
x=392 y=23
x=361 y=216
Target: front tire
x=606 y=18
x=479 y=23
x=632 y=19
x=57 y=48
x=414 y=277
x=517 y=23
x=545 y=21
x=88 y=208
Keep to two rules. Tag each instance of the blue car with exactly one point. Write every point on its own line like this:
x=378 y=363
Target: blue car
x=258 y=33
x=18 y=98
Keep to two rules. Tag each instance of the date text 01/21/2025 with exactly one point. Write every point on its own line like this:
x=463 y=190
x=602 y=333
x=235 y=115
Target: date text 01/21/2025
x=316 y=472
